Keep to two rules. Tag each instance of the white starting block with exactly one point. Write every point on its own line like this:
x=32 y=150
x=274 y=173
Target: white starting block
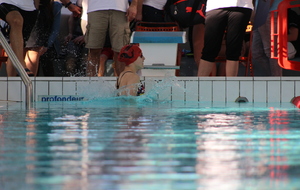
x=159 y=50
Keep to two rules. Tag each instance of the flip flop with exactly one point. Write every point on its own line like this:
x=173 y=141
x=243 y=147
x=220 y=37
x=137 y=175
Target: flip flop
x=29 y=73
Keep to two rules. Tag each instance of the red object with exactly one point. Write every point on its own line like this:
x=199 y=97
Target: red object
x=108 y=52
x=129 y=54
x=296 y=101
x=189 y=9
x=279 y=34
x=156 y=27
x=3 y=56
x=180 y=1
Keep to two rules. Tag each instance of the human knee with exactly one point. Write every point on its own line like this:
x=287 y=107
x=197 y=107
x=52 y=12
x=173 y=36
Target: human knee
x=15 y=19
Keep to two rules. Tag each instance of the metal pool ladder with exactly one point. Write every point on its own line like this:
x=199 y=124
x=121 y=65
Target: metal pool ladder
x=25 y=78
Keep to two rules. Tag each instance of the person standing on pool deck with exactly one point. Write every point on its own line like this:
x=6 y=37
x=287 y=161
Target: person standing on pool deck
x=43 y=34
x=232 y=16
x=20 y=15
x=112 y=16
x=129 y=80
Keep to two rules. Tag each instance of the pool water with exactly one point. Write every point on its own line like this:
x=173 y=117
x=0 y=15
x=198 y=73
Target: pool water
x=117 y=144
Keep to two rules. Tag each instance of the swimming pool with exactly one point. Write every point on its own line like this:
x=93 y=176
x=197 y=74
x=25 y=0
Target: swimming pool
x=112 y=144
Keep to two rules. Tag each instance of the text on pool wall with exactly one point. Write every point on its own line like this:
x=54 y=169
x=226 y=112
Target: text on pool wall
x=60 y=98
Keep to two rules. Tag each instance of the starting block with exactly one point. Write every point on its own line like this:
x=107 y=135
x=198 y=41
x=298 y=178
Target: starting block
x=160 y=51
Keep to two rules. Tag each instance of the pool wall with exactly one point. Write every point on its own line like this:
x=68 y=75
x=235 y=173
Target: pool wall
x=214 y=89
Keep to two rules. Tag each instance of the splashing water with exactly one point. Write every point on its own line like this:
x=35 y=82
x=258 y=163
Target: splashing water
x=158 y=87
x=98 y=89
x=103 y=89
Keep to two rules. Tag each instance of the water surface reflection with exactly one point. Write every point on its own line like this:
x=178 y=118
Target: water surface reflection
x=153 y=146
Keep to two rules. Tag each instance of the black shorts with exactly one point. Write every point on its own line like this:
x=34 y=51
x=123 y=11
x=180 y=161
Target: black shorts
x=29 y=17
x=234 y=21
x=151 y=14
x=41 y=31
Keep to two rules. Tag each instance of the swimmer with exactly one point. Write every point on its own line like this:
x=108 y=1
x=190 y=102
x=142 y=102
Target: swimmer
x=129 y=80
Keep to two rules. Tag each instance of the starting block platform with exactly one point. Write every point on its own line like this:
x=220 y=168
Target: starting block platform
x=160 y=51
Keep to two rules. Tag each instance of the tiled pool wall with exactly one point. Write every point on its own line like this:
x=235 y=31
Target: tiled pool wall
x=214 y=89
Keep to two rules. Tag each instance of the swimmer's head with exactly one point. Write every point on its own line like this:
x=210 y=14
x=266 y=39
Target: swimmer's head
x=130 y=53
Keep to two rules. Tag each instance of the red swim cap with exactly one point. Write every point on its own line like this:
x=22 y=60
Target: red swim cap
x=129 y=54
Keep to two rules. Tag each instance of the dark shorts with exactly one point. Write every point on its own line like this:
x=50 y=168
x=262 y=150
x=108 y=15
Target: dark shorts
x=29 y=17
x=41 y=31
x=232 y=20
x=151 y=14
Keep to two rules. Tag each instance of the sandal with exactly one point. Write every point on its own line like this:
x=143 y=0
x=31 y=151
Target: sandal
x=29 y=73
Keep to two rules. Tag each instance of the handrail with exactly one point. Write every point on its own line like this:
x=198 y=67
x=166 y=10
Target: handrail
x=15 y=61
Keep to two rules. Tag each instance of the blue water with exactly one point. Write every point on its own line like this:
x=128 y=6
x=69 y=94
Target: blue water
x=121 y=144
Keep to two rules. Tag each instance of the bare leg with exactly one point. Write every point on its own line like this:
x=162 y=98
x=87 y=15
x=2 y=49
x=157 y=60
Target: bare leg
x=214 y=70
x=222 y=69
x=32 y=59
x=205 y=68
x=119 y=66
x=102 y=67
x=10 y=69
x=198 y=41
x=232 y=68
x=93 y=62
x=15 y=20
